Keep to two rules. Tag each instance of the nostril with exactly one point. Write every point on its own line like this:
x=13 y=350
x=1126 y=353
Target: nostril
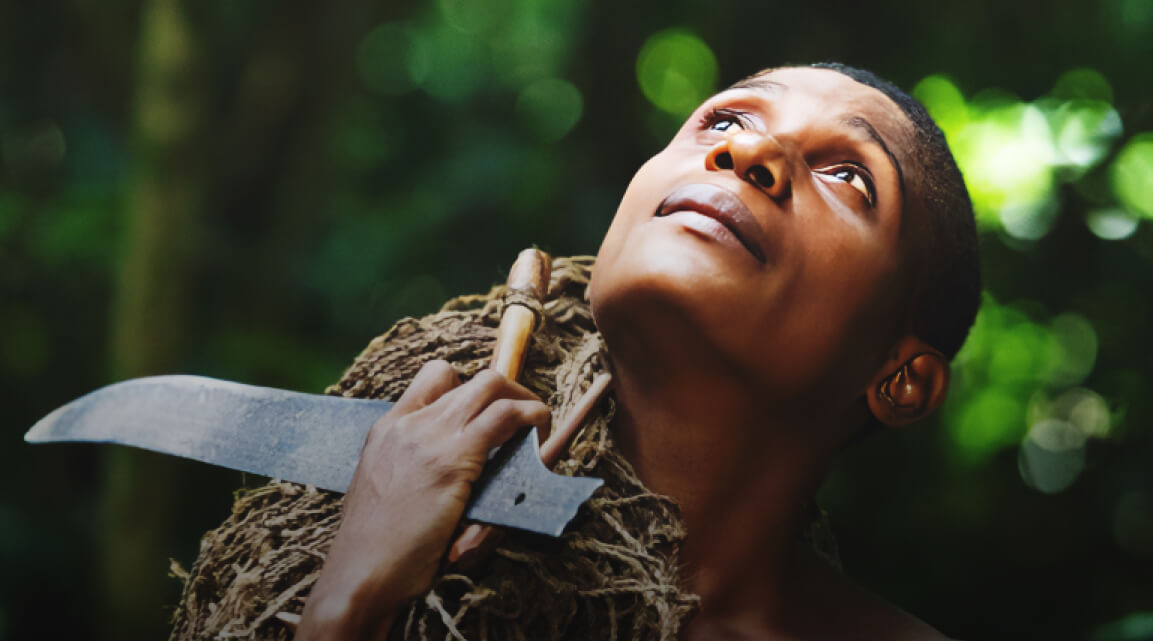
x=724 y=160
x=761 y=176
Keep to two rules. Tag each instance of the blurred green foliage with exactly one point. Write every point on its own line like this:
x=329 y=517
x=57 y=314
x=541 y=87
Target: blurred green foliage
x=343 y=166
x=676 y=71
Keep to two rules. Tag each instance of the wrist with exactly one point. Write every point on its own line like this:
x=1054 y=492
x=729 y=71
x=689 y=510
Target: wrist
x=345 y=617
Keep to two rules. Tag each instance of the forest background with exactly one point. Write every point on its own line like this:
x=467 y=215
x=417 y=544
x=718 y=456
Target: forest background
x=252 y=190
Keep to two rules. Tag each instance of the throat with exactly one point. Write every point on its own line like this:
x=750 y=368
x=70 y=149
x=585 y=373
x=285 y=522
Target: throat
x=743 y=485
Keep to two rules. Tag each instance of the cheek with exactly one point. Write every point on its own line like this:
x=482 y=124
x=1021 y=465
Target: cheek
x=843 y=306
x=852 y=275
x=847 y=247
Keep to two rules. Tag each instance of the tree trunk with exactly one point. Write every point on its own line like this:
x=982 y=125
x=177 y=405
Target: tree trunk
x=164 y=204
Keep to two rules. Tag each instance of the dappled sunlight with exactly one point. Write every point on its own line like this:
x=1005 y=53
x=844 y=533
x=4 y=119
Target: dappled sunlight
x=1017 y=381
x=1132 y=176
x=1016 y=154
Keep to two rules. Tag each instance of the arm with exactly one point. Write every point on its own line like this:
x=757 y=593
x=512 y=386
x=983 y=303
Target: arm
x=409 y=491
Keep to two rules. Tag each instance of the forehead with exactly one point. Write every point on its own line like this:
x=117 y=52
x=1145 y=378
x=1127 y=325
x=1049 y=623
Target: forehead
x=825 y=96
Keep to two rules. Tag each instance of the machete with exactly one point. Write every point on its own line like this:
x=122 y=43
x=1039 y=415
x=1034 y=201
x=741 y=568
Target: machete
x=317 y=439
x=303 y=438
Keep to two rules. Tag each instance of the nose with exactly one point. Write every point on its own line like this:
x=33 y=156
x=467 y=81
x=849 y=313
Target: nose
x=755 y=157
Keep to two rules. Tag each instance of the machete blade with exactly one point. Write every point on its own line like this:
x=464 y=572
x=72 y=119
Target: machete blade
x=303 y=438
x=518 y=489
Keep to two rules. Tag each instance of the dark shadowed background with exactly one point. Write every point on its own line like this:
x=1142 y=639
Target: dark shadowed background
x=252 y=190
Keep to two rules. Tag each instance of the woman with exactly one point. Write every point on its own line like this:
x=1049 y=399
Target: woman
x=797 y=265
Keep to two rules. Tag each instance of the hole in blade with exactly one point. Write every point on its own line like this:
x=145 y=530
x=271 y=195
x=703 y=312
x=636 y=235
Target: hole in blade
x=519 y=499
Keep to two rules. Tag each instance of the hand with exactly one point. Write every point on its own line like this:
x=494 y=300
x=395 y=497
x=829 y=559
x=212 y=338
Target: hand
x=408 y=494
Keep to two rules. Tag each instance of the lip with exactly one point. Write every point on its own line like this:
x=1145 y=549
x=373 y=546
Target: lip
x=722 y=206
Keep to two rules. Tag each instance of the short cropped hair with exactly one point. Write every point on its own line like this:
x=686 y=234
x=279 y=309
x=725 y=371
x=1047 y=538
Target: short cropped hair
x=942 y=238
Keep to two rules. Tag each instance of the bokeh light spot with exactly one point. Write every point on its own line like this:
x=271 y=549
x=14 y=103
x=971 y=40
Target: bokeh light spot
x=550 y=108
x=1029 y=220
x=1081 y=407
x=989 y=421
x=1132 y=175
x=944 y=102
x=1006 y=156
x=1085 y=130
x=457 y=64
x=1076 y=349
x=1111 y=223
x=1088 y=412
x=1055 y=435
x=1015 y=154
x=1052 y=456
x=676 y=71
x=469 y=16
x=1019 y=352
x=1083 y=83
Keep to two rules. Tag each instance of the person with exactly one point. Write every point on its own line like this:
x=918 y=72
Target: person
x=795 y=268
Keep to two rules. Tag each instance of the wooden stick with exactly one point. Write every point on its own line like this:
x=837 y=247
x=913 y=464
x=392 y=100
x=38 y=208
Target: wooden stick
x=556 y=442
x=290 y=619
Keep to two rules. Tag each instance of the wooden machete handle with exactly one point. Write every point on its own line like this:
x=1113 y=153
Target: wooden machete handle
x=528 y=278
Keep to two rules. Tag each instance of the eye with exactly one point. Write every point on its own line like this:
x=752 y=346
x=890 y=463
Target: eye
x=723 y=120
x=857 y=178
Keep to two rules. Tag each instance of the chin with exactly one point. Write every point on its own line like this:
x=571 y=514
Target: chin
x=661 y=296
x=663 y=260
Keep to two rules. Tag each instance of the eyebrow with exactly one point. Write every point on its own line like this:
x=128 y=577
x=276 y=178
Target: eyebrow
x=859 y=122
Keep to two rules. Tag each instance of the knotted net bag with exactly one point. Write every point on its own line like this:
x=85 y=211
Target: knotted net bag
x=612 y=575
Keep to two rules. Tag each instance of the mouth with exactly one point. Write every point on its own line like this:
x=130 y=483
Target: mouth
x=722 y=206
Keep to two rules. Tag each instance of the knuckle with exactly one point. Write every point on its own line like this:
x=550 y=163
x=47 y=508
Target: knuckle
x=489 y=380
x=437 y=366
x=503 y=409
x=540 y=414
x=438 y=369
x=380 y=429
x=508 y=412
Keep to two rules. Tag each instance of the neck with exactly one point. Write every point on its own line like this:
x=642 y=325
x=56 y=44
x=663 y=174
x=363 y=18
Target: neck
x=742 y=477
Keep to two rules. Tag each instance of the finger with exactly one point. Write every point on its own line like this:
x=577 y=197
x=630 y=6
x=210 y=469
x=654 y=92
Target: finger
x=502 y=418
x=470 y=399
x=435 y=379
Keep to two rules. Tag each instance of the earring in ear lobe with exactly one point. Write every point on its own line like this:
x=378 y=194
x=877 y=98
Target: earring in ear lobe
x=900 y=390
x=911 y=391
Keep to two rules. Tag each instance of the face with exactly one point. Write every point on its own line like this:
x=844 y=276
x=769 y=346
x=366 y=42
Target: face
x=768 y=232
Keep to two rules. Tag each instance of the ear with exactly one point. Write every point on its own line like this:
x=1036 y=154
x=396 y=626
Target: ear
x=911 y=384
